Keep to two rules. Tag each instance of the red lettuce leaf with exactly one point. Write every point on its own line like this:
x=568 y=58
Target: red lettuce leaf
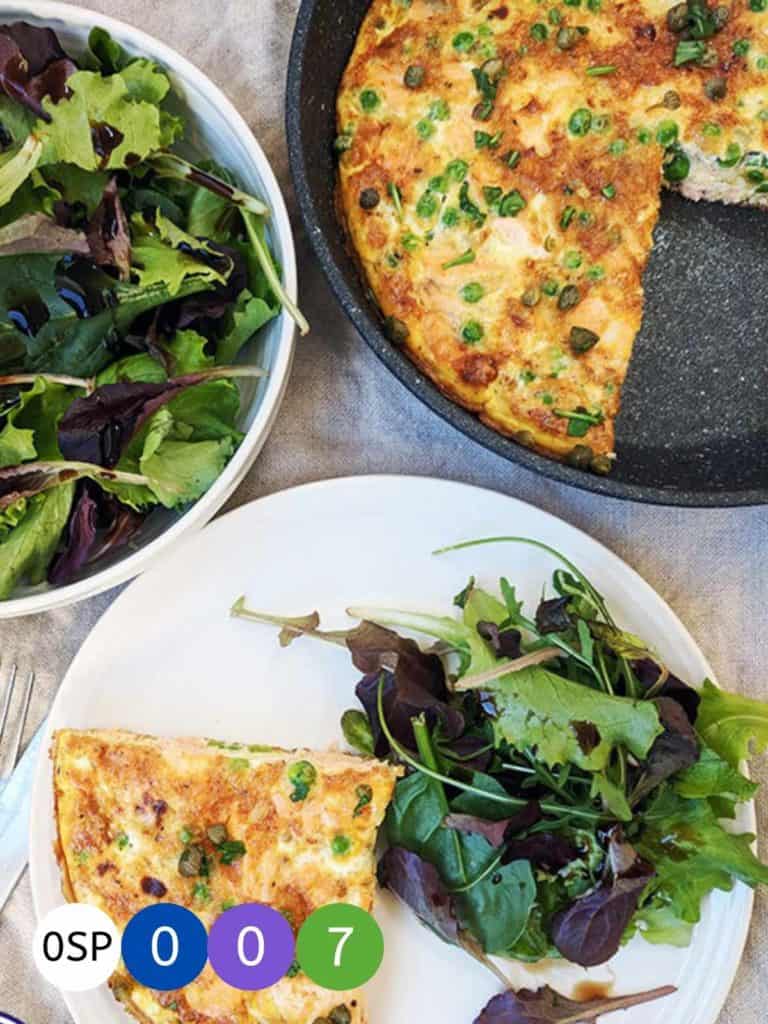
x=108 y=236
x=418 y=884
x=97 y=428
x=546 y=850
x=548 y=1007
x=32 y=66
x=98 y=523
x=504 y=643
x=496 y=832
x=675 y=750
x=589 y=932
x=414 y=684
x=648 y=673
x=552 y=616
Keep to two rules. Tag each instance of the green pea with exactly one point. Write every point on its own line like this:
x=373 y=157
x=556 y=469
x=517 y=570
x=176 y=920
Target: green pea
x=609 y=191
x=425 y=129
x=463 y=42
x=539 y=31
x=472 y=292
x=341 y=845
x=457 y=170
x=572 y=260
x=666 y=133
x=472 y=332
x=512 y=204
x=302 y=775
x=369 y=100
x=580 y=122
x=427 y=206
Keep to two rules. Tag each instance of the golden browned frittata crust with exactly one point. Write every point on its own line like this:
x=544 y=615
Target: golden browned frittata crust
x=486 y=251
x=127 y=804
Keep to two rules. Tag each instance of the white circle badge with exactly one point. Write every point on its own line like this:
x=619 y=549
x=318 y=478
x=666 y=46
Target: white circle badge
x=76 y=947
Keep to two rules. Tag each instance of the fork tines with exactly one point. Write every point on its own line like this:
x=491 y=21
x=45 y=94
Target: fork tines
x=11 y=736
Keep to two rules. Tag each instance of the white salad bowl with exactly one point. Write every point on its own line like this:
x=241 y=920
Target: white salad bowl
x=216 y=128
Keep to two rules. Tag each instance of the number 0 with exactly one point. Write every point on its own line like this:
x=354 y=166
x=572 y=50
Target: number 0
x=345 y=934
x=169 y=961
x=250 y=929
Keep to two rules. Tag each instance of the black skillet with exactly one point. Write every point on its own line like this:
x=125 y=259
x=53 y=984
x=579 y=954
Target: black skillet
x=694 y=423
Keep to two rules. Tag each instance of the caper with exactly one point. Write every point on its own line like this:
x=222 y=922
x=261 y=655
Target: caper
x=569 y=297
x=525 y=438
x=677 y=18
x=716 y=88
x=191 y=861
x=531 y=297
x=397 y=332
x=601 y=464
x=720 y=17
x=340 y=1015
x=581 y=340
x=414 y=76
x=370 y=198
x=671 y=100
x=580 y=456
x=567 y=38
x=217 y=834
x=709 y=59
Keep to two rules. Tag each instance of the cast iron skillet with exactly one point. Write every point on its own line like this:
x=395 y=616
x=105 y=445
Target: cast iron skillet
x=694 y=423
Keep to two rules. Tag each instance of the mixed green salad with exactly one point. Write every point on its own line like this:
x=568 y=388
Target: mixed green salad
x=130 y=279
x=564 y=791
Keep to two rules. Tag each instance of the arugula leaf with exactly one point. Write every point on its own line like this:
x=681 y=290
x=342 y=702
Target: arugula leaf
x=27 y=549
x=733 y=726
x=536 y=708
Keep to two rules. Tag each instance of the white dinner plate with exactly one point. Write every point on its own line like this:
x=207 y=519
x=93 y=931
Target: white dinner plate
x=167 y=659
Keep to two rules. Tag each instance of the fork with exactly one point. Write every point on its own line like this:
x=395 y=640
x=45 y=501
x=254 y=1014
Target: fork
x=16 y=775
x=11 y=756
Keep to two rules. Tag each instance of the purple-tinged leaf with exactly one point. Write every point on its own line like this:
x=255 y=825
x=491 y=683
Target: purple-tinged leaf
x=496 y=832
x=414 y=684
x=587 y=736
x=504 y=643
x=34 y=232
x=32 y=66
x=546 y=850
x=98 y=523
x=98 y=427
x=548 y=1007
x=675 y=750
x=648 y=674
x=418 y=884
x=32 y=478
x=552 y=616
x=589 y=932
x=108 y=235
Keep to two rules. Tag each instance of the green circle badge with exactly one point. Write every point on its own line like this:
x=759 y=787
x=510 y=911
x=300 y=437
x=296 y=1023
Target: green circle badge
x=340 y=947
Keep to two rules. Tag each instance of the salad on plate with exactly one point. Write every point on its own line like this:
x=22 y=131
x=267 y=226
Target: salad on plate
x=564 y=790
x=130 y=280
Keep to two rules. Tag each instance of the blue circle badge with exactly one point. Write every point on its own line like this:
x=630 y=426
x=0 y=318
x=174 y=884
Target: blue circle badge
x=165 y=947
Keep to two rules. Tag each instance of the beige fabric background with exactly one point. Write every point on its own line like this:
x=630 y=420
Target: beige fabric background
x=344 y=414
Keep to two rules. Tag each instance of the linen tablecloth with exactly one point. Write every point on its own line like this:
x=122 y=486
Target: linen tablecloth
x=345 y=414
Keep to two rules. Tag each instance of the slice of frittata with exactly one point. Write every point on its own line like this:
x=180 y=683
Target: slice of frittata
x=135 y=813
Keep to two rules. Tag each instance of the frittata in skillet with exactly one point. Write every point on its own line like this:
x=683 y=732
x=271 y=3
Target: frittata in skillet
x=209 y=826
x=500 y=170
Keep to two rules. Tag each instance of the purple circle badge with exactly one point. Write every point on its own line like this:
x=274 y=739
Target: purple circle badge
x=251 y=947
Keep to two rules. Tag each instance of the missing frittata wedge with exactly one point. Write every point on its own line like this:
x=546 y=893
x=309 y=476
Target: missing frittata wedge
x=130 y=808
x=500 y=170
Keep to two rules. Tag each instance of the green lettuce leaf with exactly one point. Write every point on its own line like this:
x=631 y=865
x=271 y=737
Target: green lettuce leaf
x=692 y=855
x=27 y=549
x=538 y=709
x=735 y=727
x=711 y=776
x=30 y=427
x=187 y=351
x=167 y=255
x=249 y=315
x=76 y=185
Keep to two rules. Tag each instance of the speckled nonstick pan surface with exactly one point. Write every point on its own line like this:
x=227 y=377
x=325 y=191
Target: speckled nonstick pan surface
x=694 y=423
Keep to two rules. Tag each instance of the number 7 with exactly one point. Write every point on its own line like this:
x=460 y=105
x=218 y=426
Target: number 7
x=345 y=934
